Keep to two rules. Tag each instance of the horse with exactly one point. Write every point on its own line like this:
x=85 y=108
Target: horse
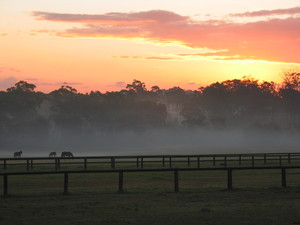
x=18 y=154
x=67 y=154
x=52 y=154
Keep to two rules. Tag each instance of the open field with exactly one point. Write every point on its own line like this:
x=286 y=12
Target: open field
x=149 y=199
x=207 y=206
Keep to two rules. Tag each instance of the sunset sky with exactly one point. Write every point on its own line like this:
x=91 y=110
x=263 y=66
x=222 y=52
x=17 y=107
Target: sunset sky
x=103 y=45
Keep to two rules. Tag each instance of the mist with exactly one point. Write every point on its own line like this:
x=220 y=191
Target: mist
x=153 y=141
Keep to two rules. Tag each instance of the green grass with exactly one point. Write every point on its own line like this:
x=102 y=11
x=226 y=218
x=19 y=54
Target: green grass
x=207 y=206
x=149 y=198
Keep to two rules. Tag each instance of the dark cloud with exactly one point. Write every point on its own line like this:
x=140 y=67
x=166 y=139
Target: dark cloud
x=59 y=83
x=7 y=82
x=275 y=12
x=116 y=18
x=120 y=84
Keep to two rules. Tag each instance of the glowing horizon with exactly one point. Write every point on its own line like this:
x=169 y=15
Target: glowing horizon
x=162 y=44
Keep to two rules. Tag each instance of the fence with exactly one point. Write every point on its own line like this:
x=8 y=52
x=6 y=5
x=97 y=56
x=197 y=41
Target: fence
x=122 y=172
x=161 y=161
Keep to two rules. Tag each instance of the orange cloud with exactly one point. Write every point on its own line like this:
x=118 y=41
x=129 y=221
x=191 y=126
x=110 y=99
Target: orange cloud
x=272 y=40
x=147 y=57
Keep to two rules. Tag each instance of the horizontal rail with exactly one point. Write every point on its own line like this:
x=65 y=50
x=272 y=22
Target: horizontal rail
x=147 y=170
x=121 y=173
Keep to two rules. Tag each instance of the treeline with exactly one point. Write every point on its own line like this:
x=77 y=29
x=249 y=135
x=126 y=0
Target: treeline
x=239 y=103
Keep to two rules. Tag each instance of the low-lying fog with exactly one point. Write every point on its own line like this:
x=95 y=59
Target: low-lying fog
x=175 y=141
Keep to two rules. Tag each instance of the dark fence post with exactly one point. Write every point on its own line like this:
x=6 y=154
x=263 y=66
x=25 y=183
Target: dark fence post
x=280 y=161
x=113 y=164
x=66 y=183
x=252 y=158
x=240 y=160
x=176 y=185
x=289 y=158
x=137 y=162
x=85 y=163
x=27 y=162
x=214 y=160
x=189 y=161
x=142 y=162
x=198 y=162
x=225 y=161
x=4 y=164
x=31 y=164
x=229 y=179
x=265 y=158
x=283 y=178
x=121 y=189
x=58 y=163
x=5 y=185
x=170 y=162
x=163 y=161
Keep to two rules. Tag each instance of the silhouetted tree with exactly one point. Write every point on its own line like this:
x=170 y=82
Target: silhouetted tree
x=137 y=86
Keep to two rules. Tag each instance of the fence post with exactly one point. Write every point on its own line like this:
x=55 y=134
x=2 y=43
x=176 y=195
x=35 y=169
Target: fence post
x=66 y=183
x=4 y=164
x=229 y=179
x=121 y=189
x=5 y=186
x=85 y=163
x=240 y=160
x=31 y=164
x=198 y=162
x=170 y=162
x=225 y=161
x=112 y=162
x=58 y=163
x=252 y=158
x=289 y=158
x=265 y=158
x=142 y=162
x=27 y=162
x=137 y=162
x=214 y=160
x=176 y=186
x=163 y=161
x=283 y=178
x=189 y=161
x=280 y=161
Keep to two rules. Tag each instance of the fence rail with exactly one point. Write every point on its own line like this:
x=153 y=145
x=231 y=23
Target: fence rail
x=162 y=161
x=122 y=173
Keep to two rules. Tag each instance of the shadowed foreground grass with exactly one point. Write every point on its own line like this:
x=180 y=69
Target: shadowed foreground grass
x=208 y=206
x=149 y=199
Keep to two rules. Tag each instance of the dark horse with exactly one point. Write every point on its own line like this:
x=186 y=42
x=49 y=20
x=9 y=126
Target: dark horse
x=18 y=154
x=67 y=154
x=52 y=154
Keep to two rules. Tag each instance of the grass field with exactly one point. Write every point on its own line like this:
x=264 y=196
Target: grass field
x=207 y=206
x=149 y=199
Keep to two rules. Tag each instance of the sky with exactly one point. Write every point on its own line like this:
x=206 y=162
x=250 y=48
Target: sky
x=103 y=45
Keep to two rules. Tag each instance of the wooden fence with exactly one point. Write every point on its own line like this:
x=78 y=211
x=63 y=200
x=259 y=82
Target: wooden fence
x=122 y=173
x=161 y=161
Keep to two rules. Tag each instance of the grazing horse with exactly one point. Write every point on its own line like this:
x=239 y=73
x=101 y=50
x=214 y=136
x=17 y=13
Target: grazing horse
x=52 y=154
x=67 y=154
x=18 y=154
